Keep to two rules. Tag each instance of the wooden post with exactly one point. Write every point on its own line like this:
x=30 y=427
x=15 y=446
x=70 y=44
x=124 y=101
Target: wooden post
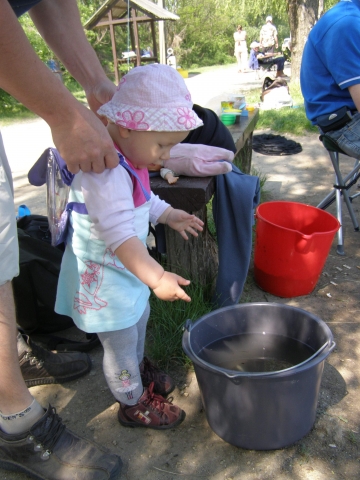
x=161 y=24
x=136 y=35
x=113 y=47
x=153 y=34
x=132 y=37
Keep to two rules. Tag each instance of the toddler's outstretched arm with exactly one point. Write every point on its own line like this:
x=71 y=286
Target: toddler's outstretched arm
x=182 y=222
x=169 y=288
x=166 y=285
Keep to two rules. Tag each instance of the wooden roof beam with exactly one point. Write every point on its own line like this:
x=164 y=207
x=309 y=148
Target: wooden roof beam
x=123 y=21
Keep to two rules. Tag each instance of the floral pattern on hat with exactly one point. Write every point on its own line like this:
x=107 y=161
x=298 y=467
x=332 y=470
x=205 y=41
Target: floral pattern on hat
x=186 y=118
x=122 y=80
x=132 y=121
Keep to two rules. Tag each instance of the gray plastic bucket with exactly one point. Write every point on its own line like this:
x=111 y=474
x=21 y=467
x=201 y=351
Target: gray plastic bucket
x=260 y=410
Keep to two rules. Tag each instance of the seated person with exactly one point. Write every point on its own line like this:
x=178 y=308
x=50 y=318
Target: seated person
x=257 y=57
x=146 y=52
x=329 y=74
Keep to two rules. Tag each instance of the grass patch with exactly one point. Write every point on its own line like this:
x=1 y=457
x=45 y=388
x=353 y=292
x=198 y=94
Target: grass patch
x=304 y=454
x=167 y=319
x=352 y=437
x=262 y=179
x=291 y=120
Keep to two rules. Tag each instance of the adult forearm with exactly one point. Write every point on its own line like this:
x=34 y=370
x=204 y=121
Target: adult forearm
x=24 y=76
x=58 y=22
x=78 y=134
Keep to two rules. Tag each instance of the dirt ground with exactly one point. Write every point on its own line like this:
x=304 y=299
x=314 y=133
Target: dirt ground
x=193 y=450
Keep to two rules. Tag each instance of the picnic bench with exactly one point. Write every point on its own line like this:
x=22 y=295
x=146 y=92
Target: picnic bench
x=197 y=258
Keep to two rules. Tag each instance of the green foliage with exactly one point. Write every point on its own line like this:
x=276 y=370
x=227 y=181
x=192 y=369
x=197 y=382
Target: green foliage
x=38 y=44
x=286 y=120
x=291 y=120
x=11 y=109
x=166 y=323
x=204 y=33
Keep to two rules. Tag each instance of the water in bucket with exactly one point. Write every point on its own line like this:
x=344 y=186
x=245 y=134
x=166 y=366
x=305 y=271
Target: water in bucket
x=293 y=241
x=256 y=352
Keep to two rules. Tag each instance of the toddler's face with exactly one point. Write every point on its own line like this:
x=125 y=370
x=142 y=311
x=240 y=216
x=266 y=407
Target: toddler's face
x=150 y=148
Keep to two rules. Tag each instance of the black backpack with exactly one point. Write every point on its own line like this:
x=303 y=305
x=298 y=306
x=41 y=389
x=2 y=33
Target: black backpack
x=35 y=287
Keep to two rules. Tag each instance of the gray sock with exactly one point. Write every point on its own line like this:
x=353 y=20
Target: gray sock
x=21 y=422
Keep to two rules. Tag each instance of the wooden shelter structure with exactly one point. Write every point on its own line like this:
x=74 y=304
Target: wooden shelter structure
x=114 y=13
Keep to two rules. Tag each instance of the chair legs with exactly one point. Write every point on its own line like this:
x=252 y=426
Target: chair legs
x=341 y=189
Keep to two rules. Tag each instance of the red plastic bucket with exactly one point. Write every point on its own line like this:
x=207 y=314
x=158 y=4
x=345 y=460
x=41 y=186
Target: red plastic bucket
x=293 y=241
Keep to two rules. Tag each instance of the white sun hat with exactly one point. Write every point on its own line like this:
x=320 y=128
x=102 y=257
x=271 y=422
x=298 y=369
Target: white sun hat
x=269 y=18
x=152 y=98
x=254 y=44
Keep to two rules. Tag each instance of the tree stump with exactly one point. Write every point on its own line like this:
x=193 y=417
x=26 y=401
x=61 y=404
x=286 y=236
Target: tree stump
x=195 y=259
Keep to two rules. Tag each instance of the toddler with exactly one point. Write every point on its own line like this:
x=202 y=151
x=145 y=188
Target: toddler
x=107 y=273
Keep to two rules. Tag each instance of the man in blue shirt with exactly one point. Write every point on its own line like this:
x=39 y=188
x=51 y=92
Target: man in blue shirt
x=330 y=73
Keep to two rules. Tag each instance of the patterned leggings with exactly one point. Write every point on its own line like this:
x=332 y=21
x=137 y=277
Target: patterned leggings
x=123 y=352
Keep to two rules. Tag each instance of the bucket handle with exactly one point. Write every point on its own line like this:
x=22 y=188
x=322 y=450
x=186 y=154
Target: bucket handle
x=236 y=379
x=314 y=355
x=188 y=325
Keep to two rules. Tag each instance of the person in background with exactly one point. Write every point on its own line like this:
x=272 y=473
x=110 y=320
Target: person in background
x=253 y=58
x=240 y=49
x=34 y=440
x=257 y=57
x=330 y=76
x=107 y=272
x=268 y=36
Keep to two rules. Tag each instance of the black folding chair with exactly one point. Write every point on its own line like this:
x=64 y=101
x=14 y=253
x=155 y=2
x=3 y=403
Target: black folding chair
x=341 y=187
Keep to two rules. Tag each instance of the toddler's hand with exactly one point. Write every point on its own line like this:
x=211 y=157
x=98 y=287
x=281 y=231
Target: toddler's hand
x=169 y=288
x=182 y=222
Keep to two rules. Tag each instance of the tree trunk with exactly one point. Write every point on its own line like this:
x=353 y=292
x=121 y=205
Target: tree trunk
x=302 y=17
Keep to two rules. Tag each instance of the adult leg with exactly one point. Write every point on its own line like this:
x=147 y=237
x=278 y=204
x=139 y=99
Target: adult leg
x=280 y=62
x=14 y=395
x=245 y=59
x=268 y=49
x=17 y=397
x=348 y=137
x=33 y=440
x=238 y=59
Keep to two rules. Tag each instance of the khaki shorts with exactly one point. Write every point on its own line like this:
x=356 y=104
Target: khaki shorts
x=9 y=248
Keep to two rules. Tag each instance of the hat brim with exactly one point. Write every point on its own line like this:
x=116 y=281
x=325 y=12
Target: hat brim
x=170 y=119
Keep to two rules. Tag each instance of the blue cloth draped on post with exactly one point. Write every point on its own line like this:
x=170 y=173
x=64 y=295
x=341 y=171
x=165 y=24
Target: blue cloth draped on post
x=236 y=196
